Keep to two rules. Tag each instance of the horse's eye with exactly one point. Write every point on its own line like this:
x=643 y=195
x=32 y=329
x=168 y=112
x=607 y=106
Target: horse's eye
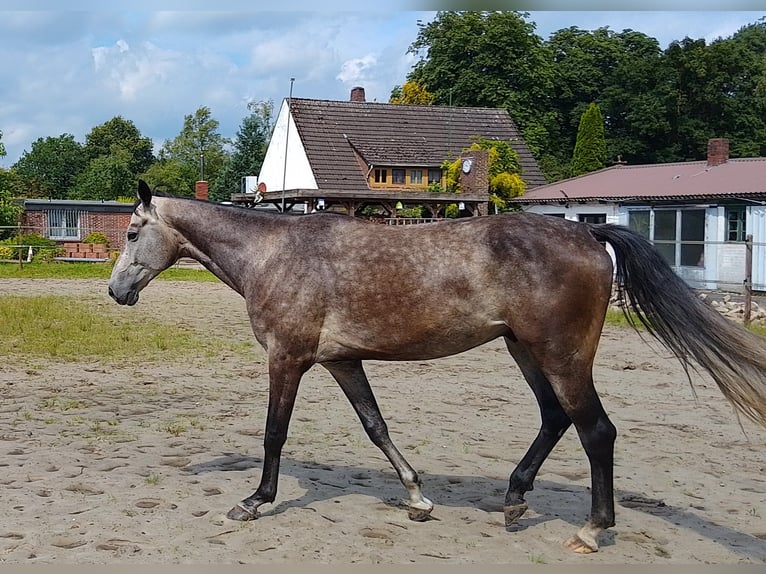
x=132 y=235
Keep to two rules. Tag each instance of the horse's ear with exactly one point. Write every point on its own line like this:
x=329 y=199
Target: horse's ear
x=144 y=193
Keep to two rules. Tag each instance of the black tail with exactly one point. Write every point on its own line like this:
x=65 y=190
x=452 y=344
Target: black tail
x=689 y=327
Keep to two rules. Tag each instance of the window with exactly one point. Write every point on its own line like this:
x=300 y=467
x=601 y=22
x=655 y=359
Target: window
x=692 y=237
x=397 y=176
x=678 y=234
x=416 y=177
x=592 y=217
x=63 y=224
x=665 y=234
x=434 y=176
x=735 y=224
x=638 y=221
x=381 y=175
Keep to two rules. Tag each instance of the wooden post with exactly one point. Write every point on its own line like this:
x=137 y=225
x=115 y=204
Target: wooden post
x=748 y=278
x=18 y=241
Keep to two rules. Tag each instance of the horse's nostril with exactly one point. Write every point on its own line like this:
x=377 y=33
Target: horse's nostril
x=111 y=293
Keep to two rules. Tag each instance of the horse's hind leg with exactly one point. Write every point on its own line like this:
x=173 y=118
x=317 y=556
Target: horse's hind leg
x=352 y=379
x=567 y=365
x=554 y=424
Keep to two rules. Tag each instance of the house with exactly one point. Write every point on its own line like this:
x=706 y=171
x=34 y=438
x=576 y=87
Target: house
x=697 y=213
x=69 y=222
x=355 y=153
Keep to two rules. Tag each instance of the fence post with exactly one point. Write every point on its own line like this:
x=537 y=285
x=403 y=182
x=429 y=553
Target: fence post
x=748 y=278
x=18 y=242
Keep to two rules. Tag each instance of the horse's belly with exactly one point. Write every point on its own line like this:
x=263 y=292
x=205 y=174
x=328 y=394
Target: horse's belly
x=407 y=341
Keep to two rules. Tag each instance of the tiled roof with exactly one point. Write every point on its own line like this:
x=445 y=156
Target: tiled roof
x=395 y=135
x=658 y=182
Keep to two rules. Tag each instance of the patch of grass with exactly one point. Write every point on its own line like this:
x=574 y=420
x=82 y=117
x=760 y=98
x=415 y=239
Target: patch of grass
x=62 y=270
x=757 y=329
x=616 y=318
x=153 y=479
x=107 y=431
x=174 y=427
x=58 y=403
x=66 y=329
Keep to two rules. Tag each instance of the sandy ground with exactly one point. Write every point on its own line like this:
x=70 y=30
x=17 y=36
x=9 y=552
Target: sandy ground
x=138 y=462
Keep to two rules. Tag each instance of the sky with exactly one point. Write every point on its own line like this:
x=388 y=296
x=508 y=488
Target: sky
x=68 y=72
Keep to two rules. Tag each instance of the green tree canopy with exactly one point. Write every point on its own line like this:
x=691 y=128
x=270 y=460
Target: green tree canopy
x=10 y=209
x=590 y=148
x=51 y=165
x=489 y=59
x=120 y=134
x=2 y=147
x=106 y=177
x=250 y=146
x=199 y=147
x=171 y=176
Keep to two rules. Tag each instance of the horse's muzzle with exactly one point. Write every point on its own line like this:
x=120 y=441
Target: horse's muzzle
x=129 y=298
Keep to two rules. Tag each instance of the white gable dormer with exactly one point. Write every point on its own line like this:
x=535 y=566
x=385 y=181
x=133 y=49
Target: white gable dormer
x=297 y=172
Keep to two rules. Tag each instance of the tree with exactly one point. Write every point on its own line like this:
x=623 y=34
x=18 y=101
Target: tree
x=171 y=176
x=250 y=146
x=719 y=90
x=583 y=62
x=107 y=177
x=3 y=153
x=199 y=148
x=626 y=73
x=489 y=59
x=10 y=209
x=120 y=134
x=636 y=103
x=52 y=165
x=411 y=93
x=590 y=148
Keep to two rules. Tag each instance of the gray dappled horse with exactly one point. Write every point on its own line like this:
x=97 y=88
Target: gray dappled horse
x=320 y=289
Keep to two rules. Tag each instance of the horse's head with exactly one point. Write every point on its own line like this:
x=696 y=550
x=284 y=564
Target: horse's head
x=151 y=247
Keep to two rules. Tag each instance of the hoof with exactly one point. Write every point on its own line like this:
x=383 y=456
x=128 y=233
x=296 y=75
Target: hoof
x=513 y=513
x=242 y=513
x=418 y=514
x=578 y=545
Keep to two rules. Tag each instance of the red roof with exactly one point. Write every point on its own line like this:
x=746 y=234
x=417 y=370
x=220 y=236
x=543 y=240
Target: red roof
x=658 y=182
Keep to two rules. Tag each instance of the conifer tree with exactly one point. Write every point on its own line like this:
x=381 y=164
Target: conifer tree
x=590 y=147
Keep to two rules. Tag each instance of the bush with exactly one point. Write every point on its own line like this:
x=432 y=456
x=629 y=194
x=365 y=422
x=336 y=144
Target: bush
x=97 y=237
x=6 y=251
x=43 y=249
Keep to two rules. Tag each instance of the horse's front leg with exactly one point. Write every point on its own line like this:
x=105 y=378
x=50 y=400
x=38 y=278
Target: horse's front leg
x=284 y=376
x=352 y=379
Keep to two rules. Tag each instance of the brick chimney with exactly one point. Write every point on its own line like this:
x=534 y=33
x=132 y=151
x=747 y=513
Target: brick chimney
x=200 y=190
x=717 y=151
x=357 y=94
x=474 y=175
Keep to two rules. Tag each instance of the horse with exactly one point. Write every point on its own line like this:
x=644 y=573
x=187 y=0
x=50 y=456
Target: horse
x=319 y=289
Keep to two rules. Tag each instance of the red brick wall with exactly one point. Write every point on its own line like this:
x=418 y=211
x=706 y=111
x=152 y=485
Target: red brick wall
x=113 y=225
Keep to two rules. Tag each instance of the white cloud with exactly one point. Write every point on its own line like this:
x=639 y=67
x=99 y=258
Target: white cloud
x=131 y=73
x=357 y=70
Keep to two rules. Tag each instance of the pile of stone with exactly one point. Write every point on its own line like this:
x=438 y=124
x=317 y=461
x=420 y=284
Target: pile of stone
x=735 y=310
x=730 y=307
